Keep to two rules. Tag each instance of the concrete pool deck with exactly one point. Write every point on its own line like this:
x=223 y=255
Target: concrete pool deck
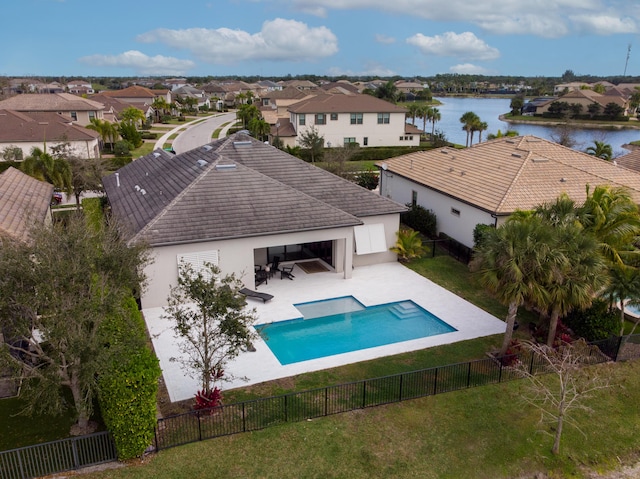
x=371 y=285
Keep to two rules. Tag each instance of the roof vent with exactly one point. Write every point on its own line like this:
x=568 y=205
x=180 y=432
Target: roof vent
x=202 y=163
x=509 y=141
x=143 y=191
x=563 y=180
x=451 y=169
x=207 y=147
x=228 y=166
x=462 y=173
x=444 y=151
x=137 y=187
x=517 y=155
x=157 y=155
x=242 y=144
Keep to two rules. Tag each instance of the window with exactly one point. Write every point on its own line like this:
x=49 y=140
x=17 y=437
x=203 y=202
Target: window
x=365 y=141
x=348 y=140
x=74 y=115
x=198 y=260
x=356 y=118
x=321 y=119
x=334 y=116
x=92 y=115
x=401 y=138
x=383 y=118
x=455 y=212
x=301 y=119
x=414 y=197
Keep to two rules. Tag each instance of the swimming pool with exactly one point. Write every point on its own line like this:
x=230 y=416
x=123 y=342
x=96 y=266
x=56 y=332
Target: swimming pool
x=342 y=325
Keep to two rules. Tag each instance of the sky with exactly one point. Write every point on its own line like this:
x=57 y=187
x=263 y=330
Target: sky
x=272 y=38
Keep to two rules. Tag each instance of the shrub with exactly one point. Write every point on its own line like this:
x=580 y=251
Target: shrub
x=128 y=383
x=165 y=119
x=122 y=148
x=368 y=179
x=420 y=219
x=409 y=245
x=595 y=323
x=92 y=209
x=147 y=135
x=480 y=232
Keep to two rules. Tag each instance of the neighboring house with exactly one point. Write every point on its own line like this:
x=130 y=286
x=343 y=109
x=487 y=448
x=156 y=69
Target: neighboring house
x=80 y=87
x=80 y=110
x=201 y=97
x=299 y=84
x=409 y=86
x=487 y=182
x=283 y=130
x=113 y=107
x=630 y=160
x=585 y=98
x=268 y=85
x=24 y=201
x=46 y=130
x=237 y=203
x=138 y=95
x=347 y=119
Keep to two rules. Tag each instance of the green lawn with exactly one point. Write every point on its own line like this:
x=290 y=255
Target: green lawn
x=145 y=149
x=482 y=433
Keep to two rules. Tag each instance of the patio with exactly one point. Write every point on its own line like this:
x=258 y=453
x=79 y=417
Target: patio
x=371 y=285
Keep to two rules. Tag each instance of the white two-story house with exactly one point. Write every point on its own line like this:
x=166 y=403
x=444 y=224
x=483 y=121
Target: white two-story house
x=353 y=118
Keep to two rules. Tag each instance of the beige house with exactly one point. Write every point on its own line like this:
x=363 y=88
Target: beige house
x=24 y=201
x=79 y=109
x=46 y=130
x=138 y=95
x=586 y=98
x=348 y=119
x=487 y=182
x=238 y=203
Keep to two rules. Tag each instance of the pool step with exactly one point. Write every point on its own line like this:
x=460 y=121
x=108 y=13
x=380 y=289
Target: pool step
x=406 y=311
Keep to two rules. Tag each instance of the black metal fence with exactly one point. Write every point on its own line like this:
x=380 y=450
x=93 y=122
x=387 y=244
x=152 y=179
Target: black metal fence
x=57 y=456
x=262 y=413
x=450 y=247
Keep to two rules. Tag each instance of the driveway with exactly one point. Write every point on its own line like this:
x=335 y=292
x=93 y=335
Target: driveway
x=197 y=132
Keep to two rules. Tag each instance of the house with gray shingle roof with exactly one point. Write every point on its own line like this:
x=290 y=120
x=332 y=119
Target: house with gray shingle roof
x=487 y=182
x=24 y=201
x=238 y=202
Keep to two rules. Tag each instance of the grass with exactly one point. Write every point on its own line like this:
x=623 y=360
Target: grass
x=486 y=432
x=594 y=123
x=145 y=149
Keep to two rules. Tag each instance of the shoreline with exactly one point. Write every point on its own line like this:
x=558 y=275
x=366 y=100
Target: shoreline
x=577 y=124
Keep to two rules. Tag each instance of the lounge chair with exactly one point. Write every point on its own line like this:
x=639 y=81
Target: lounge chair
x=255 y=294
x=285 y=272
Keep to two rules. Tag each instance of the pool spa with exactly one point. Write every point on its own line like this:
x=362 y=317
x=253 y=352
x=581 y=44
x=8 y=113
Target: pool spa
x=343 y=325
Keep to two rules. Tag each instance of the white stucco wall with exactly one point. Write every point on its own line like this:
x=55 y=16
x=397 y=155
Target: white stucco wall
x=459 y=227
x=82 y=149
x=335 y=131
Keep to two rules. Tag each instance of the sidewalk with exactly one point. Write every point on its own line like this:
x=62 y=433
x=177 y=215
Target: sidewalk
x=165 y=137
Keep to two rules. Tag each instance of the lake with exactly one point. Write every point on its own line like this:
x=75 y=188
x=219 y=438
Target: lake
x=489 y=110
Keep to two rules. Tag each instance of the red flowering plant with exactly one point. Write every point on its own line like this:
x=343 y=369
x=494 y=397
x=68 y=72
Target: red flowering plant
x=207 y=400
x=512 y=354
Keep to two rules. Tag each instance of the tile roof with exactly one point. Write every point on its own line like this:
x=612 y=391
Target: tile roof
x=506 y=174
x=345 y=104
x=40 y=127
x=134 y=91
x=630 y=160
x=193 y=197
x=50 y=102
x=23 y=200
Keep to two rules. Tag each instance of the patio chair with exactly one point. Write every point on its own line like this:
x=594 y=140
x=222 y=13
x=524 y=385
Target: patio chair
x=274 y=266
x=249 y=293
x=286 y=271
x=261 y=277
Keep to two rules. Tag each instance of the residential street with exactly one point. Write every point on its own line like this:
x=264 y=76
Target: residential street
x=200 y=134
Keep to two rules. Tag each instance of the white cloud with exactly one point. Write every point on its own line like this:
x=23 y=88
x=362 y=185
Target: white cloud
x=604 y=24
x=469 y=69
x=384 y=39
x=141 y=63
x=370 y=69
x=463 y=45
x=545 y=18
x=279 y=40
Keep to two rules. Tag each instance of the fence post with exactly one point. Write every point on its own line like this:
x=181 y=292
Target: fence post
x=433 y=248
x=435 y=382
x=500 y=375
x=74 y=449
x=155 y=433
x=326 y=401
x=244 y=419
x=469 y=376
x=533 y=355
x=22 y=474
x=400 y=392
x=620 y=343
x=199 y=427
x=364 y=393
x=286 y=415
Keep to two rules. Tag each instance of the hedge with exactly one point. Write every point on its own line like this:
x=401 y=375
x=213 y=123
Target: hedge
x=92 y=209
x=128 y=384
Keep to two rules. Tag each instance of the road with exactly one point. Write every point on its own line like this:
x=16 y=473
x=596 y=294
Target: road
x=200 y=133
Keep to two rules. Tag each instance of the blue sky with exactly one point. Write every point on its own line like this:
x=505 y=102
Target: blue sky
x=322 y=37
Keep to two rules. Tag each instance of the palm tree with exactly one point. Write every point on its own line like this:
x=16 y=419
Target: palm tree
x=435 y=117
x=409 y=244
x=624 y=284
x=509 y=261
x=468 y=119
x=160 y=105
x=259 y=128
x=614 y=219
x=107 y=130
x=600 y=149
x=44 y=167
x=412 y=112
x=480 y=127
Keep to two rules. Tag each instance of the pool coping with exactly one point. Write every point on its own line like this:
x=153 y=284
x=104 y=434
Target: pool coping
x=371 y=285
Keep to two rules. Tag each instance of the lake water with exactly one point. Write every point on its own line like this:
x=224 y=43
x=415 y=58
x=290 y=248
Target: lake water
x=489 y=110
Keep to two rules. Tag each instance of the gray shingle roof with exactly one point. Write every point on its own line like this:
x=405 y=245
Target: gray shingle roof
x=193 y=197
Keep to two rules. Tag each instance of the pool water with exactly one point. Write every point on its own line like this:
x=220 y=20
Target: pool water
x=352 y=328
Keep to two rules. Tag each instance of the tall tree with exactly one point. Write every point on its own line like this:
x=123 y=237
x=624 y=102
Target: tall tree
x=468 y=119
x=434 y=117
x=624 y=285
x=108 y=132
x=55 y=293
x=246 y=113
x=259 y=128
x=388 y=91
x=510 y=262
x=216 y=329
